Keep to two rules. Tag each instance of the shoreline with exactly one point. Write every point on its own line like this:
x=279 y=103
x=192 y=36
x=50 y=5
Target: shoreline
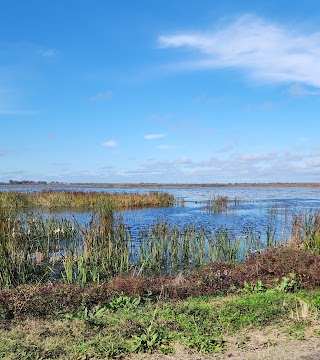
x=162 y=185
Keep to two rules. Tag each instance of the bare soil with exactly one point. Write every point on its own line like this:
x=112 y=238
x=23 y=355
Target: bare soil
x=267 y=344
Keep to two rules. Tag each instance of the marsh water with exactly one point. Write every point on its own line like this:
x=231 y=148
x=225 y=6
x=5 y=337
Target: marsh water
x=250 y=209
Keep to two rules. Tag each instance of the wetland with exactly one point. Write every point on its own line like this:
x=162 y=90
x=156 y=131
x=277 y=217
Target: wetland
x=114 y=271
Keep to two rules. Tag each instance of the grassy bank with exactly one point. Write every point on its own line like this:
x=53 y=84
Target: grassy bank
x=202 y=311
x=119 y=325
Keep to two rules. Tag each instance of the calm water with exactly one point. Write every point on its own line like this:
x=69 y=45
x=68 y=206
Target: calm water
x=258 y=207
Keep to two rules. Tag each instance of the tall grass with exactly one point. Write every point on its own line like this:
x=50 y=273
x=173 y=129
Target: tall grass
x=306 y=230
x=217 y=205
x=169 y=249
x=53 y=199
x=36 y=247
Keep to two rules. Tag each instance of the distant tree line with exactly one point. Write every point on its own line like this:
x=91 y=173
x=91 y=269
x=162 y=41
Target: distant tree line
x=29 y=182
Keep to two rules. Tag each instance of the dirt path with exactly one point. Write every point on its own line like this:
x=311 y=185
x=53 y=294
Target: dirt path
x=268 y=344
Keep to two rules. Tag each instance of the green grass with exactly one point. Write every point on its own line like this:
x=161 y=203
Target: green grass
x=127 y=325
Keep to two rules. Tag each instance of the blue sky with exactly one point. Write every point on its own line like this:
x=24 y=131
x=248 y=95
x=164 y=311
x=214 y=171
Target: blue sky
x=175 y=91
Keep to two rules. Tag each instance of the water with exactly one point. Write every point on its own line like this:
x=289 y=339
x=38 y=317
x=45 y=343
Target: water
x=259 y=207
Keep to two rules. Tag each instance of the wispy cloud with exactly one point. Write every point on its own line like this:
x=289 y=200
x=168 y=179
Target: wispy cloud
x=106 y=95
x=161 y=119
x=165 y=146
x=110 y=143
x=267 y=51
x=48 y=53
x=184 y=160
x=298 y=90
x=154 y=136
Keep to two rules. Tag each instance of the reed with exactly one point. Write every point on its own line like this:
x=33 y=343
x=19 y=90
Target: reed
x=54 y=199
x=166 y=249
x=37 y=247
x=217 y=205
x=306 y=230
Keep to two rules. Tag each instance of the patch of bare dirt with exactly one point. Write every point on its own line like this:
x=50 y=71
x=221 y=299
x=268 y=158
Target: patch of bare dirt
x=267 y=344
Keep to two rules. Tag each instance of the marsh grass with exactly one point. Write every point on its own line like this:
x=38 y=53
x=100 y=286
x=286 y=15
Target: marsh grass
x=169 y=249
x=91 y=200
x=306 y=230
x=217 y=205
x=36 y=247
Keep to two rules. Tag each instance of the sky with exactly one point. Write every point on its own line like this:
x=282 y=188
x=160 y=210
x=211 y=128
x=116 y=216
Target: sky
x=164 y=91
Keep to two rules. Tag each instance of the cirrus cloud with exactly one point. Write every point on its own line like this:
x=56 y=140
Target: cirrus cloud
x=265 y=50
x=110 y=143
x=107 y=95
x=154 y=136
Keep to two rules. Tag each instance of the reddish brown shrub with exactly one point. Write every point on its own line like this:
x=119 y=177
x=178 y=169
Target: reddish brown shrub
x=218 y=278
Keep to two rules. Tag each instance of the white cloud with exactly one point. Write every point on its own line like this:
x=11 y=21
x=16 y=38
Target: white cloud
x=252 y=158
x=165 y=146
x=154 y=136
x=267 y=51
x=184 y=160
x=110 y=143
x=298 y=90
x=107 y=95
x=49 y=53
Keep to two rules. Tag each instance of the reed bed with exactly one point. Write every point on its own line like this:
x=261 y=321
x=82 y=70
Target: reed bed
x=217 y=205
x=36 y=247
x=169 y=249
x=53 y=199
x=306 y=230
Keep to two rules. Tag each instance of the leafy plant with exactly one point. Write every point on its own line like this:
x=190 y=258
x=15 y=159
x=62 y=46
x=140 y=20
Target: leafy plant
x=91 y=317
x=123 y=302
x=253 y=288
x=288 y=284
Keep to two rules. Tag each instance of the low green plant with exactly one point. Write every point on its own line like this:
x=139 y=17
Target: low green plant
x=256 y=309
x=206 y=344
x=123 y=302
x=296 y=331
x=151 y=341
x=253 y=288
x=288 y=284
x=92 y=317
x=199 y=323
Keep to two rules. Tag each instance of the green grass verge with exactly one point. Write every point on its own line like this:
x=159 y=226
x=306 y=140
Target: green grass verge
x=128 y=325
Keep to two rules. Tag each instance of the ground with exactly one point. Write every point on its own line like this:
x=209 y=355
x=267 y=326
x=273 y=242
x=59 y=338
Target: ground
x=268 y=344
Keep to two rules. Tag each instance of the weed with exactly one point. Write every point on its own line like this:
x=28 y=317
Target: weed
x=151 y=341
x=123 y=302
x=296 y=331
x=288 y=284
x=253 y=288
x=270 y=343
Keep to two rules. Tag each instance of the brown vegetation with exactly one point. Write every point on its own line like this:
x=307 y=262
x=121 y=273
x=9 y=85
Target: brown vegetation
x=217 y=279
